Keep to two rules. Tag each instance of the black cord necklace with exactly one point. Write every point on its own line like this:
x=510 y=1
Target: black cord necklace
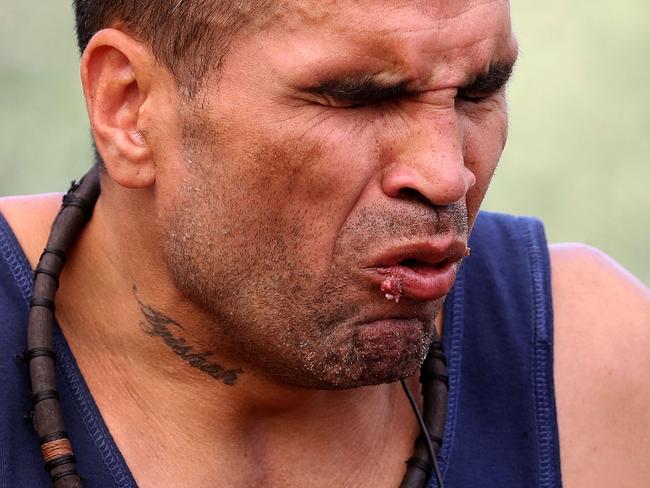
x=58 y=456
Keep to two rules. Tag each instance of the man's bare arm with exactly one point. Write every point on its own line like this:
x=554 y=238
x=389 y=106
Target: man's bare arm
x=602 y=369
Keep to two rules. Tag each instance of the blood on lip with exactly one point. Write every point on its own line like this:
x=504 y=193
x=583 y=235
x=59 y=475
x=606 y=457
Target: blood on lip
x=392 y=287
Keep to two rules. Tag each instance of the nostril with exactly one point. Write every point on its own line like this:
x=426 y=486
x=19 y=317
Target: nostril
x=431 y=184
x=414 y=195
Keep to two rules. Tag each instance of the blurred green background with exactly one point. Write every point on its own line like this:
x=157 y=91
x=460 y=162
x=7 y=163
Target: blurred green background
x=580 y=117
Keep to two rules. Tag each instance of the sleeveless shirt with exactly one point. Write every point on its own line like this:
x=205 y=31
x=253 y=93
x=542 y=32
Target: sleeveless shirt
x=501 y=429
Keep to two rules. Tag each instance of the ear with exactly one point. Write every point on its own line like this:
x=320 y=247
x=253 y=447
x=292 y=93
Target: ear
x=116 y=73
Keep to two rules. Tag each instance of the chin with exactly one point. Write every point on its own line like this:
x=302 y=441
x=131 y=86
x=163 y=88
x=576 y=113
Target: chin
x=378 y=373
x=378 y=352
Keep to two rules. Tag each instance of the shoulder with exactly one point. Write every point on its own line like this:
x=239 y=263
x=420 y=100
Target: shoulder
x=579 y=267
x=30 y=218
x=602 y=369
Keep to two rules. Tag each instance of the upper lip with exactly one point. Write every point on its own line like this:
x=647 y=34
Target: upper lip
x=434 y=252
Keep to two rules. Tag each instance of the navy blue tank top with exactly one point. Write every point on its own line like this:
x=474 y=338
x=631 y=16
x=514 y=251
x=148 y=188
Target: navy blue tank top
x=501 y=427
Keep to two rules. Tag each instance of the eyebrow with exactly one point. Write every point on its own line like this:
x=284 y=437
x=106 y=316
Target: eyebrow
x=494 y=80
x=364 y=89
x=360 y=89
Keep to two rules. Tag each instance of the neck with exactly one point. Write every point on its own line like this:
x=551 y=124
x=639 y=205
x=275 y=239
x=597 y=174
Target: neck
x=174 y=386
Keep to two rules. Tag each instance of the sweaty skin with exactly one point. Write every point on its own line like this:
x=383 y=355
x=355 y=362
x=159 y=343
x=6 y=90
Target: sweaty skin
x=250 y=214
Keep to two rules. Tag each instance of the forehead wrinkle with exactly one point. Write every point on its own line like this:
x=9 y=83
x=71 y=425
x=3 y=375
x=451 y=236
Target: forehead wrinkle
x=376 y=41
x=315 y=12
x=439 y=8
x=437 y=25
x=402 y=58
x=372 y=31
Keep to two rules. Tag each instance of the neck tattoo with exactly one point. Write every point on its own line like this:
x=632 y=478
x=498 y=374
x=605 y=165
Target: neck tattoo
x=157 y=324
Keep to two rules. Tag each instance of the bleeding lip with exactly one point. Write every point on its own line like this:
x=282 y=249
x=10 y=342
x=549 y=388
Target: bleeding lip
x=419 y=271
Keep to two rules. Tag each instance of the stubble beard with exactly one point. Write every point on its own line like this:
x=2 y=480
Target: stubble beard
x=291 y=326
x=272 y=310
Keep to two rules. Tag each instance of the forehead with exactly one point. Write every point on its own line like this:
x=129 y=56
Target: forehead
x=441 y=39
x=354 y=13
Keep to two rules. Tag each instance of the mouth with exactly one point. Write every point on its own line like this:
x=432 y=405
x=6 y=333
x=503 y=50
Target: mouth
x=421 y=271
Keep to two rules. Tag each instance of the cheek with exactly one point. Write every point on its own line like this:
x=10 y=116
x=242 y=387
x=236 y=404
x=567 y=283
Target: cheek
x=318 y=177
x=483 y=144
x=286 y=185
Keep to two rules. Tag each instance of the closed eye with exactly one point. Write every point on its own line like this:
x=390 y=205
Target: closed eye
x=353 y=92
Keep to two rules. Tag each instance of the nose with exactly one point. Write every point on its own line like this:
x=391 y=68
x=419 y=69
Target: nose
x=430 y=164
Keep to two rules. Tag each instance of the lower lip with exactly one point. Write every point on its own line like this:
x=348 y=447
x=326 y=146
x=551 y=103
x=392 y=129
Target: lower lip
x=426 y=283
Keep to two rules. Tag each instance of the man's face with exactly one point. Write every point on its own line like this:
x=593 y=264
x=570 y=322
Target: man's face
x=339 y=158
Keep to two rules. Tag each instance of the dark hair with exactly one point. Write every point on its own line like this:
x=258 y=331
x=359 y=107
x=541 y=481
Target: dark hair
x=189 y=37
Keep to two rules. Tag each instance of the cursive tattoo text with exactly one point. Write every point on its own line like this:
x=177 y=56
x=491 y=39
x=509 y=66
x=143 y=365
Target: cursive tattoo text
x=157 y=324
